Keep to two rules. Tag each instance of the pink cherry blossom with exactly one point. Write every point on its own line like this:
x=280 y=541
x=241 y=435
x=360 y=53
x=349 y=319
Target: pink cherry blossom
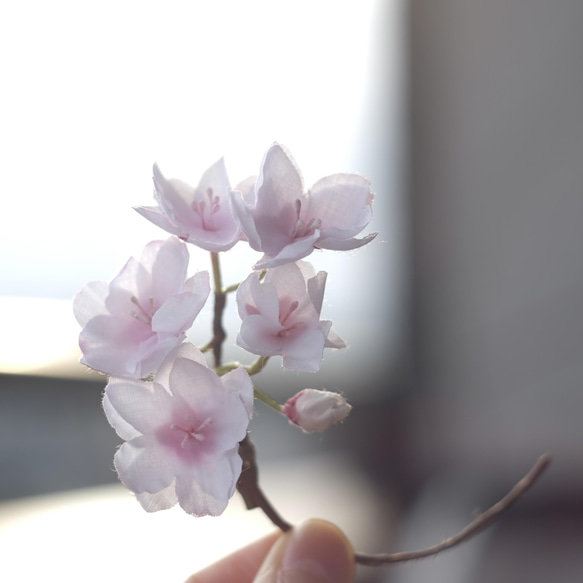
x=132 y=323
x=286 y=223
x=201 y=215
x=281 y=316
x=314 y=410
x=182 y=433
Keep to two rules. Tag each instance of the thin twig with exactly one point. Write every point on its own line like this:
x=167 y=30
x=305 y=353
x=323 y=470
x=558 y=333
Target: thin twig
x=248 y=486
x=219 y=334
x=253 y=496
x=480 y=523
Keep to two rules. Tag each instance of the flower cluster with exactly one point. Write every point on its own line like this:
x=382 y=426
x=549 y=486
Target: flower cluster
x=181 y=420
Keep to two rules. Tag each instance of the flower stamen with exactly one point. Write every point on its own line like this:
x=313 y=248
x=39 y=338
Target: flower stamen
x=143 y=315
x=191 y=432
x=200 y=206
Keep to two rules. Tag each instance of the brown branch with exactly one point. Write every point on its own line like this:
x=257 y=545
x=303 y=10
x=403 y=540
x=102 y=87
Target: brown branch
x=480 y=523
x=219 y=334
x=248 y=486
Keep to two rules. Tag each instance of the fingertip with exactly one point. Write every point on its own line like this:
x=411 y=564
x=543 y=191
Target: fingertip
x=316 y=551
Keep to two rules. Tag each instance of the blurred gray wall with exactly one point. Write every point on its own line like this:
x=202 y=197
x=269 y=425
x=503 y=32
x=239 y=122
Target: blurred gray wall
x=496 y=190
x=497 y=210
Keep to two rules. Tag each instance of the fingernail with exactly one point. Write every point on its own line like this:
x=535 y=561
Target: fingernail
x=314 y=552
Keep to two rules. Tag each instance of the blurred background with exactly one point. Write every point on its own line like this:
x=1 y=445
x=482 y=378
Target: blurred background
x=463 y=318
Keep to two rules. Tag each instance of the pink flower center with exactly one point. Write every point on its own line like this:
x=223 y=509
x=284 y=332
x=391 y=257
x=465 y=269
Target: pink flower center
x=191 y=431
x=303 y=229
x=206 y=209
x=142 y=314
x=284 y=317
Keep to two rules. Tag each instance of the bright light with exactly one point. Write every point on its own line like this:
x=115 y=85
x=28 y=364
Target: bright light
x=94 y=93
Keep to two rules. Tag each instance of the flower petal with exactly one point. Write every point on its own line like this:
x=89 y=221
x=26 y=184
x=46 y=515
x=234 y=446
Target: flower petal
x=299 y=249
x=305 y=351
x=90 y=301
x=255 y=297
x=244 y=217
x=184 y=350
x=142 y=405
x=162 y=500
x=206 y=489
x=259 y=335
x=173 y=196
x=169 y=266
x=334 y=340
x=279 y=183
x=342 y=201
x=156 y=216
x=337 y=244
x=144 y=466
x=239 y=383
x=177 y=314
x=109 y=344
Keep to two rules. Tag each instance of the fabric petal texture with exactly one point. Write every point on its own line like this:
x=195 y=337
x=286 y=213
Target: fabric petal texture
x=314 y=410
x=132 y=323
x=284 y=222
x=281 y=316
x=200 y=215
x=182 y=433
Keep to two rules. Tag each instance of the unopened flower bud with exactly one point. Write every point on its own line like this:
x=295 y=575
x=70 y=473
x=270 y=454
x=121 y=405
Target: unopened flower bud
x=314 y=410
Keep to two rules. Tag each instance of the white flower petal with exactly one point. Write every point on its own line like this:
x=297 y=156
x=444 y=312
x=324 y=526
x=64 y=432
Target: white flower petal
x=162 y=500
x=239 y=383
x=90 y=301
x=342 y=201
x=170 y=195
x=244 y=217
x=258 y=335
x=207 y=489
x=334 y=340
x=345 y=244
x=316 y=287
x=144 y=468
x=279 y=183
x=155 y=215
x=177 y=314
x=168 y=270
x=145 y=406
x=305 y=351
x=126 y=431
x=299 y=249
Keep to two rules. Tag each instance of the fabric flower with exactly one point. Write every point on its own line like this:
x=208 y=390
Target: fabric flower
x=281 y=315
x=286 y=224
x=201 y=215
x=132 y=323
x=182 y=433
x=314 y=410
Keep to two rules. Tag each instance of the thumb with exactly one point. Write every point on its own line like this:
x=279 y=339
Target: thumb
x=314 y=552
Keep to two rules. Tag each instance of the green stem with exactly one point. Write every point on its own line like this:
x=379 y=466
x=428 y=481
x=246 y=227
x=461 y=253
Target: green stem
x=257 y=366
x=216 y=272
x=232 y=288
x=259 y=394
x=207 y=346
x=227 y=367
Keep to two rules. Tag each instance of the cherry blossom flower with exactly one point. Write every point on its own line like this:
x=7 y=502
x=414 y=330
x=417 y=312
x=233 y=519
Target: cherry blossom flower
x=132 y=323
x=314 y=410
x=201 y=215
x=281 y=316
x=285 y=223
x=181 y=432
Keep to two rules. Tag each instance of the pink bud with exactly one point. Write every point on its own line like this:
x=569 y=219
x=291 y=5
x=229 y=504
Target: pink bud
x=314 y=410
